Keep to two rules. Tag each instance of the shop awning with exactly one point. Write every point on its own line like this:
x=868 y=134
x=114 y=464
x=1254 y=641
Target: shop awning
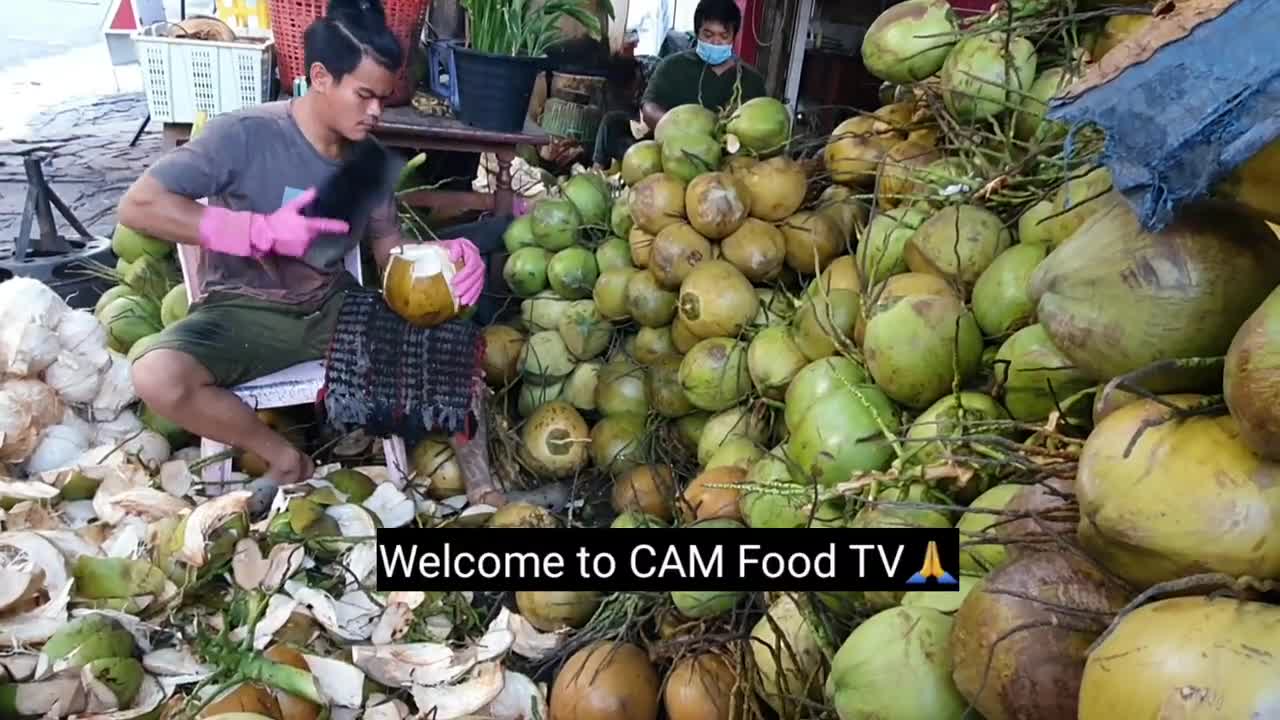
x=1184 y=103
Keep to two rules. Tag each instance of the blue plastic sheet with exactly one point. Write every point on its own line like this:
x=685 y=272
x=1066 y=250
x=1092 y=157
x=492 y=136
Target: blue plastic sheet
x=1183 y=119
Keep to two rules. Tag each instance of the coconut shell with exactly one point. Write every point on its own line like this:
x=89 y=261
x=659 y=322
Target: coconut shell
x=1035 y=653
x=1114 y=298
x=1189 y=498
x=1251 y=381
x=606 y=681
x=1187 y=657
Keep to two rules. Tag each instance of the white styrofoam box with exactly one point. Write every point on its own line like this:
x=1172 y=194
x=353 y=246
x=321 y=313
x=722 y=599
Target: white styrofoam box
x=183 y=77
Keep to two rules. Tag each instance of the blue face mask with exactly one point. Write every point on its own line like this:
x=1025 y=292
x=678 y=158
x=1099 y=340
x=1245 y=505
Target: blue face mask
x=714 y=54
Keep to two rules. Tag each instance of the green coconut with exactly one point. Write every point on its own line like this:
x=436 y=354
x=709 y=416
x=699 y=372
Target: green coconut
x=737 y=452
x=1075 y=201
x=1033 y=225
x=649 y=344
x=769 y=509
x=586 y=333
x=951 y=417
x=892 y=650
x=589 y=195
x=1037 y=378
x=175 y=305
x=614 y=254
x=843 y=433
x=817 y=380
x=129 y=244
x=640 y=161
x=715 y=374
x=1001 y=303
x=702 y=604
x=665 y=393
x=622 y=388
x=649 y=304
x=610 y=293
x=762 y=125
x=921 y=345
x=580 y=387
x=1030 y=123
x=896 y=511
x=1249 y=382
x=619 y=443
x=519 y=234
x=773 y=359
x=543 y=311
x=985 y=73
x=881 y=252
x=825 y=323
x=545 y=358
x=526 y=270
x=738 y=421
x=981 y=550
x=533 y=396
x=128 y=319
x=974 y=234
x=716 y=300
x=171 y=431
x=910 y=41
x=684 y=119
x=151 y=277
x=556 y=223
x=572 y=273
x=111 y=294
x=620 y=221
x=1115 y=298
x=688 y=155
x=141 y=346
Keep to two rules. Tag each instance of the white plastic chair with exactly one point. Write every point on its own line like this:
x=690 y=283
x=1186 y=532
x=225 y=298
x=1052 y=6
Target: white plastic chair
x=295 y=385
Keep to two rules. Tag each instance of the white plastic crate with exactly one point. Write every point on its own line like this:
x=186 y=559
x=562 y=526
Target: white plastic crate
x=183 y=77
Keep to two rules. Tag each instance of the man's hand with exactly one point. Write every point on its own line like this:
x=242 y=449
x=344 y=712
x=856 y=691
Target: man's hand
x=561 y=152
x=470 y=278
x=284 y=232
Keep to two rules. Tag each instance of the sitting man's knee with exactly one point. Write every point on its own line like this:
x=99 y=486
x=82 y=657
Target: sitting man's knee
x=164 y=379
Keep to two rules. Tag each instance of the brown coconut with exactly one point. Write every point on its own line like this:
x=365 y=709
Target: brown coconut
x=606 y=681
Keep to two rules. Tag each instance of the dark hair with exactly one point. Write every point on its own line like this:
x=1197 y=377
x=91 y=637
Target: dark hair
x=350 y=31
x=724 y=11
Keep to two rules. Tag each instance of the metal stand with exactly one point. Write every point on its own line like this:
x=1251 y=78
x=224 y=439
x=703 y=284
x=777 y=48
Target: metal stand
x=41 y=199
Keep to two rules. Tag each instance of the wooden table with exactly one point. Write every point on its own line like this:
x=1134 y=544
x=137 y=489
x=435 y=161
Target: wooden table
x=405 y=127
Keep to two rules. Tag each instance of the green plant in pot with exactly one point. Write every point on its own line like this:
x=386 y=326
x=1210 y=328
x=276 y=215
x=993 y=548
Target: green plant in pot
x=506 y=49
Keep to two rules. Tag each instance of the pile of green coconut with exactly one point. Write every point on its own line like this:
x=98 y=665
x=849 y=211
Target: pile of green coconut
x=939 y=317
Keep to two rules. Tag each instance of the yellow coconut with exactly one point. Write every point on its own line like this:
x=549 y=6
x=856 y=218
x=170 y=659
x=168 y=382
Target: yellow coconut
x=418 y=284
x=1186 y=657
x=1190 y=497
x=856 y=147
x=813 y=241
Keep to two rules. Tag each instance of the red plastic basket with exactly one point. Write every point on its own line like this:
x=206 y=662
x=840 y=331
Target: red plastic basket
x=291 y=18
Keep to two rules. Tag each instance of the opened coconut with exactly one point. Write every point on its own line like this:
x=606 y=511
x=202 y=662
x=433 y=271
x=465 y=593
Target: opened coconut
x=910 y=41
x=649 y=303
x=606 y=681
x=775 y=187
x=555 y=437
x=1001 y=303
x=896 y=664
x=757 y=249
x=1019 y=640
x=919 y=346
x=1251 y=382
x=882 y=252
x=716 y=204
x=813 y=241
x=1036 y=378
x=418 y=284
x=640 y=161
x=715 y=374
x=656 y=202
x=762 y=125
x=1189 y=497
x=958 y=243
x=1116 y=298
x=716 y=300
x=675 y=252
x=1186 y=657
x=985 y=73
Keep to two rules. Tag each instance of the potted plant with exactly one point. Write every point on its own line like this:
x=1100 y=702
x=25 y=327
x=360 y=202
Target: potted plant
x=494 y=74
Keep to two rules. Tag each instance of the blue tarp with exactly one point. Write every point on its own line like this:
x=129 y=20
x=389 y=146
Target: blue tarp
x=1186 y=117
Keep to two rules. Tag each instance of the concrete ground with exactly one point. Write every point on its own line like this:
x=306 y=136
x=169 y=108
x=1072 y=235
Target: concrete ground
x=66 y=104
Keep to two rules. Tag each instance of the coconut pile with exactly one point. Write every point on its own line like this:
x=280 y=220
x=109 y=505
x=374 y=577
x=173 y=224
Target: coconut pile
x=941 y=315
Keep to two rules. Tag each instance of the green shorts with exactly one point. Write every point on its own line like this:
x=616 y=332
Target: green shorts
x=239 y=338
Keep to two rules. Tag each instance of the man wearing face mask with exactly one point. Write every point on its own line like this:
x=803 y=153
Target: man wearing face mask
x=708 y=75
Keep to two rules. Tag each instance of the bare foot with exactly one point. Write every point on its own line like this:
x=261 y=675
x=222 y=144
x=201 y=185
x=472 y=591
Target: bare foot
x=487 y=496
x=293 y=466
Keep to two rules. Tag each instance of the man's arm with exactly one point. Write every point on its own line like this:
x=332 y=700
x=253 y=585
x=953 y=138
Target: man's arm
x=651 y=113
x=384 y=234
x=162 y=202
x=662 y=93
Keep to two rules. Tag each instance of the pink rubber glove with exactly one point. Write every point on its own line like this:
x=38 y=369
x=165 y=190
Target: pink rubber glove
x=283 y=232
x=470 y=278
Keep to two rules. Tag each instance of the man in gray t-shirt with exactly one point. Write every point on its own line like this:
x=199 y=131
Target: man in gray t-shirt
x=271 y=279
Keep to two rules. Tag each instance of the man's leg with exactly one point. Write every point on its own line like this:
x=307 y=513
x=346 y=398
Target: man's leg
x=177 y=387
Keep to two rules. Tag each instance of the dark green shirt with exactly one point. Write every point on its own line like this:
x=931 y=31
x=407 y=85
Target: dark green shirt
x=684 y=78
